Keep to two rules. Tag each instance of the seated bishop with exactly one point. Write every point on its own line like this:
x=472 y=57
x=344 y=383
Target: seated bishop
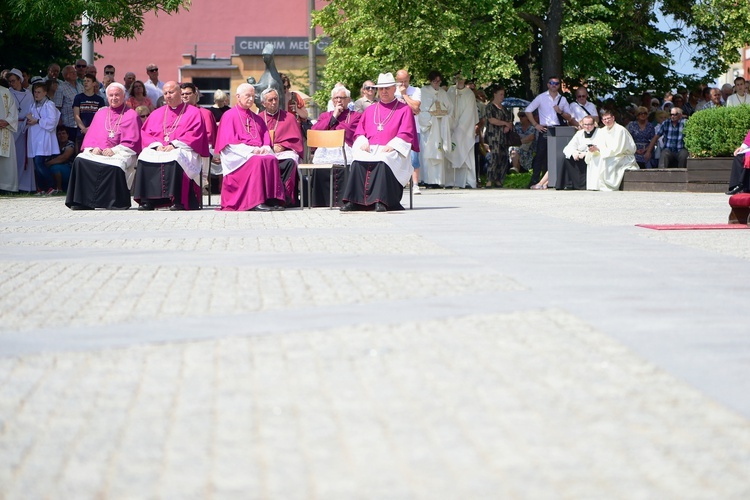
x=340 y=118
x=174 y=143
x=103 y=172
x=252 y=180
x=286 y=136
x=384 y=139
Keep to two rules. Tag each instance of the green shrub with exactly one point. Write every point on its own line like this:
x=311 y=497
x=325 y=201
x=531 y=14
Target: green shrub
x=716 y=131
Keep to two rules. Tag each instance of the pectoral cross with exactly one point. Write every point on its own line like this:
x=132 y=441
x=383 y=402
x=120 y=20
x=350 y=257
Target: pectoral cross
x=111 y=135
x=166 y=138
x=380 y=127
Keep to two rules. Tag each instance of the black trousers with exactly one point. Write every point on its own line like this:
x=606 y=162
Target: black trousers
x=740 y=176
x=539 y=166
x=572 y=175
x=95 y=185
x=371 y=182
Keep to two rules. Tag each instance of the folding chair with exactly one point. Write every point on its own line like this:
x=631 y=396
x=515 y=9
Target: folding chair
x=321 y=139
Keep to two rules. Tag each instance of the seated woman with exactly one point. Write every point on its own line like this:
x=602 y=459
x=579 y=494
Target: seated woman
x=143 y=112
x=522 y=156
x=59 y=165
x=642 y=132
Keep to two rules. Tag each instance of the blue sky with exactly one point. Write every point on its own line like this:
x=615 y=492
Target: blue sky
x=681 y=51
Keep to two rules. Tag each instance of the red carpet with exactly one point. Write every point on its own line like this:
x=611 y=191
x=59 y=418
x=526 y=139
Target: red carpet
x=685 y=227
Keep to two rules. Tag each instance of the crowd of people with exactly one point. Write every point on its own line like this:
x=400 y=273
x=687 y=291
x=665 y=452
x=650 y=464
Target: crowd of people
x=648 y=133
x=65 y=135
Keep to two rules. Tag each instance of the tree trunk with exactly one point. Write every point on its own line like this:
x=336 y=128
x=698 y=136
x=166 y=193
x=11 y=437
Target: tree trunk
x=551 y=42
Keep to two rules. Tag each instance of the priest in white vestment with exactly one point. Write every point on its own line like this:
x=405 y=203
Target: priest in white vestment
x=435 y=137
x=613 y=152
x=461 y=171
x=8 y=127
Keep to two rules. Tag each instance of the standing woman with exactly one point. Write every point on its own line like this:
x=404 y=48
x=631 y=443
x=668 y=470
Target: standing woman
x=42 y=141
x=24 y=101
x=138 y=96
x=498 y=122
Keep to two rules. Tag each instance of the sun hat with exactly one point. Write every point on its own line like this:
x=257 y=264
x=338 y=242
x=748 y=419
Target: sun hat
x=385 y=80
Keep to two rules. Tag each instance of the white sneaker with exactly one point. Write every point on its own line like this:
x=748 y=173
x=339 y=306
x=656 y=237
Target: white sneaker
x=415 y=189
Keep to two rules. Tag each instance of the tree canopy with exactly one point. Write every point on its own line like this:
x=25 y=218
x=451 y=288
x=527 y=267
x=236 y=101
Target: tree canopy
x=608 y=44
x=36 y=32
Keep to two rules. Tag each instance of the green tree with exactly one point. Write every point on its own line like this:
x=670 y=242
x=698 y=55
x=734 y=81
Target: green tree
x=610 y=44
x=34 y=33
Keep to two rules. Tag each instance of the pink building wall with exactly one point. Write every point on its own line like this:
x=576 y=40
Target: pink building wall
x=212 y=25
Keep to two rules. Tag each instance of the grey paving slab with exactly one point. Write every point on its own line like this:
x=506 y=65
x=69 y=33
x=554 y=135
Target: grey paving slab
x=488 y=344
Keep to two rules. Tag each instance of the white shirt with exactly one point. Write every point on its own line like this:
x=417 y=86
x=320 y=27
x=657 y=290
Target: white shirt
x=415 y=94
x=578 y=111
x=546 y=106
x=736 y=100
x=154 y=91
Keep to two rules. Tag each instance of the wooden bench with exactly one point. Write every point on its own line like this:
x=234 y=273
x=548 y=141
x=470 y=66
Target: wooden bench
x=702 y=175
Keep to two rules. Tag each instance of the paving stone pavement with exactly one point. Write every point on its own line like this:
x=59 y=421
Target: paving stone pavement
x=488 y=344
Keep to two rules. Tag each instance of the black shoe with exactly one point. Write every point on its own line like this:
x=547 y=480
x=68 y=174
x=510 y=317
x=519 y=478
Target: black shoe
x=146 y=206
x=277 y=208
x=80 y=207
x=734 y=190
x=177 y=207
x=349 y=207
x=261 y=208
x=380 y=207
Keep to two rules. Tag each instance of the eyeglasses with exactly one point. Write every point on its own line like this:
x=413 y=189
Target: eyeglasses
x=554 y=82
x=370 y=88
x=152 y=70
x=109 y=72
x=338 y=98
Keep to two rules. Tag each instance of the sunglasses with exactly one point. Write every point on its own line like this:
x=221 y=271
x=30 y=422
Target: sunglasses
x=152 y=70
x=82 y=65
x=143 y=116
x=580 y=96
x=109 y=72
x=554 y=82
x=370 y=88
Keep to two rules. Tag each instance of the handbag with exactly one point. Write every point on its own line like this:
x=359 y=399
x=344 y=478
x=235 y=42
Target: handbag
x=512 y=138
x=562 y=121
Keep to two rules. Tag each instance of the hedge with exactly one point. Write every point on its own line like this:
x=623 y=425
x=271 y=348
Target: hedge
x=716 y=131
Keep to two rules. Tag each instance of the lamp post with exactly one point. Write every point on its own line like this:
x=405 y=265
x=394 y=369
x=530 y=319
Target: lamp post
x=312 y=61
x=87 y=44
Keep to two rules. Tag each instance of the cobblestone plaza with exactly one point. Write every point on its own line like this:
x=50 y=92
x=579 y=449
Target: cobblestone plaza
x=488 y=344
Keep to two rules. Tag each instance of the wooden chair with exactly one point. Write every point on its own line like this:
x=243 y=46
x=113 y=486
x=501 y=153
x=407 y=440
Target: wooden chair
x=321 y=139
